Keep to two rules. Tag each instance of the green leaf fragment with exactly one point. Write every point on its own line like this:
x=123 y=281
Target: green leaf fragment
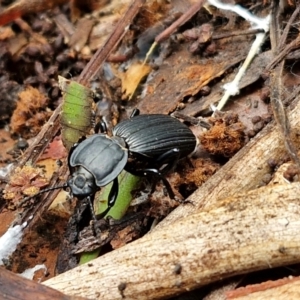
x=127 y=183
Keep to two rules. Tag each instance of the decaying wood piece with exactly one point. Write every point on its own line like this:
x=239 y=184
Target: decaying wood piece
x=16 y=287
x=286 y=288
x=252 y=231
x=244 y=172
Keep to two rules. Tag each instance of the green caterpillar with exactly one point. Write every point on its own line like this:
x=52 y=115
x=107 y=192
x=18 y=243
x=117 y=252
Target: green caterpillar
x=77 y=114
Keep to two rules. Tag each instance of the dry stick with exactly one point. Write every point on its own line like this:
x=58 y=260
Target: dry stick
x=252 y=231
x=167 y=32
x=291 y=46
x=235 y=33
x=100 y=56
x=218 y=292
x=276 y=87
x=39 y=144
x=280 y=113
x=274 y=24
x=286 y=30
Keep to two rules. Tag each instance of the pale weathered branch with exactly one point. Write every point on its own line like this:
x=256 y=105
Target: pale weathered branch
x=252 y=231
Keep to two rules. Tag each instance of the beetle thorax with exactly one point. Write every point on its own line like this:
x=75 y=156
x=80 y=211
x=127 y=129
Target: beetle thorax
x=82 y=183
x=120 y=141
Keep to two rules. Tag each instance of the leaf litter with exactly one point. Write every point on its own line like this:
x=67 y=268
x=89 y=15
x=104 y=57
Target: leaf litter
x=176 y=76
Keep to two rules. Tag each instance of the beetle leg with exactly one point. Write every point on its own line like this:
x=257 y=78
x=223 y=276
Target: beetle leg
x=90 y=200
x=112 y=197
x=157 y=174
x=113 y=194
x=172 y=155
x=160 y=176
x=135 y=113
x=100 y=127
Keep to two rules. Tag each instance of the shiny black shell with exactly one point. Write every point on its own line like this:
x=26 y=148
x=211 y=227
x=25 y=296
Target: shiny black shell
x=153 y=135
x=102 y=156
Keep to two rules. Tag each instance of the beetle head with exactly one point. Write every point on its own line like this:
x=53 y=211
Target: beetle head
x=82 y=183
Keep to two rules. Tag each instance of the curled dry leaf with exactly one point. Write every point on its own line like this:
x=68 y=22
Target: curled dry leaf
x=26 y=181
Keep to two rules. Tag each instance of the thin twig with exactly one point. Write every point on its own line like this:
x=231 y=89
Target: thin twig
x=274 y=25
x=41 y=141
x=183 y=19
x=100 y=56
x=235 y=33
x=280 y=113
x=287 y=28
x=276 y=83
x=172 y=28
x=291 y=46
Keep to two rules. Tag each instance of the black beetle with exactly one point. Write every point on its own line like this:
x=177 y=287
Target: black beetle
x=153 y=142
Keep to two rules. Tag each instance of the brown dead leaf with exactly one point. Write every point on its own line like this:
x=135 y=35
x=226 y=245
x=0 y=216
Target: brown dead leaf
x=56 y=150
x=6 y=33
x=17 y=43
x=81 y=34
x=132 y=78
x=183 y=74
x=23 y=7
x=111 y=15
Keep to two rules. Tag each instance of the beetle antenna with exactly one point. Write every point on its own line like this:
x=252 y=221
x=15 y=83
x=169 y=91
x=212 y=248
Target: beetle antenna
x=90 y=200
x=42 y=191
